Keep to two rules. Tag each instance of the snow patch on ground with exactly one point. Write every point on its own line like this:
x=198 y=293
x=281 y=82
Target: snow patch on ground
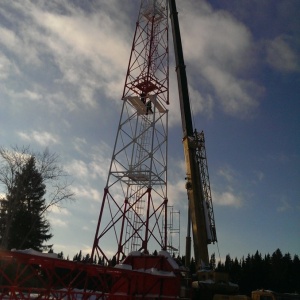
x=34 y=252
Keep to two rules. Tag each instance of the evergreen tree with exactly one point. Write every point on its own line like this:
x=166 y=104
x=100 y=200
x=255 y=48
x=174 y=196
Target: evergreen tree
x=78 y=256
x=276 y=270
x=228 y=263
x=295 y=274
x=193 y=267
x=14 y=163
x=3 y=217
x=212 y=262
x=25 y=225
x=113 y=261
x=87 y=258
x=235 y=272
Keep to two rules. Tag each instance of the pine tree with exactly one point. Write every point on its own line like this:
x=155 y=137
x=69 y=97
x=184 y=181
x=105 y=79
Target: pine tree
x=14 y=163
x=3 y=216
x=212 y=262
x=87 y=258
x=26 y=226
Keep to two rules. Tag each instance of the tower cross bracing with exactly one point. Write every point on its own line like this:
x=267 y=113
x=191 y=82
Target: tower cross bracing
x=135 y=196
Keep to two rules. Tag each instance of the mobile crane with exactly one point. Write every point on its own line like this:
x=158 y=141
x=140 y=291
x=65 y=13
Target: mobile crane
x=199 y=196
x=201 y=215
x=197 y=181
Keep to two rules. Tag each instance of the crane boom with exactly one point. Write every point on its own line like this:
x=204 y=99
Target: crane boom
x=185 y=109
x=202 y=225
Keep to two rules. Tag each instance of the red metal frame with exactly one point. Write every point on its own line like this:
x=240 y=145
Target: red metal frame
x=148 y=68
x=122 y=216
x=26 y=276
x=121 y=221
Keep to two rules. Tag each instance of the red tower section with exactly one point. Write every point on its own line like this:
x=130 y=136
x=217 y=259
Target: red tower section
x=148 y=69
x=134 y=203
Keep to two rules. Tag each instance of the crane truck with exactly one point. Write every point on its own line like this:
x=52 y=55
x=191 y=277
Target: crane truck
x=201 y=216
x=209 y=284
x=203 y=225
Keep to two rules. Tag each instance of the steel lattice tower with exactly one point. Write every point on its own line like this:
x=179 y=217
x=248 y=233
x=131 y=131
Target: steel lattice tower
x=135 y=197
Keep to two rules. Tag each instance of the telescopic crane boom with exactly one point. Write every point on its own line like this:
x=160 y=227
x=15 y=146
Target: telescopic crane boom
x=200 y=206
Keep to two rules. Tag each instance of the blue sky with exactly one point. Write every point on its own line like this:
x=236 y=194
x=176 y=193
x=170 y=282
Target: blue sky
x=62 y=71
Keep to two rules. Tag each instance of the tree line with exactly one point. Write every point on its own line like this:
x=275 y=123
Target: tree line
x=277 y=272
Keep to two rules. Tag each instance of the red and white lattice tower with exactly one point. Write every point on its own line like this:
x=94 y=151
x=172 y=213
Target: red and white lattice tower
x=134 y=204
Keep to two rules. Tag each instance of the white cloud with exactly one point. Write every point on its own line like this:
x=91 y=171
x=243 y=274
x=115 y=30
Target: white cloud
x=59 y=102
x=86 y=192
x=88 y=61
x=284 y=205
x=43 y=138
x=231 y=189
x=228 y=173
x=220 y=50
x=59 y=210
x=84 y=51
x=259 y=175
x=56 y=222
x=21 y=47
x=281 y=56
x=215 y=44
x=230 y=197
x=199 y=104
x=101 y=159
x=281 y=158
x=23 y=95
x=96 y=164
x=78 y=168
x=86 y=249
x=86 y=228
x=31 y=95
x=177 y=195
x=233 y=93
x=8 y=38
x=227 y=198
x=7 y=67
x=79 y=144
